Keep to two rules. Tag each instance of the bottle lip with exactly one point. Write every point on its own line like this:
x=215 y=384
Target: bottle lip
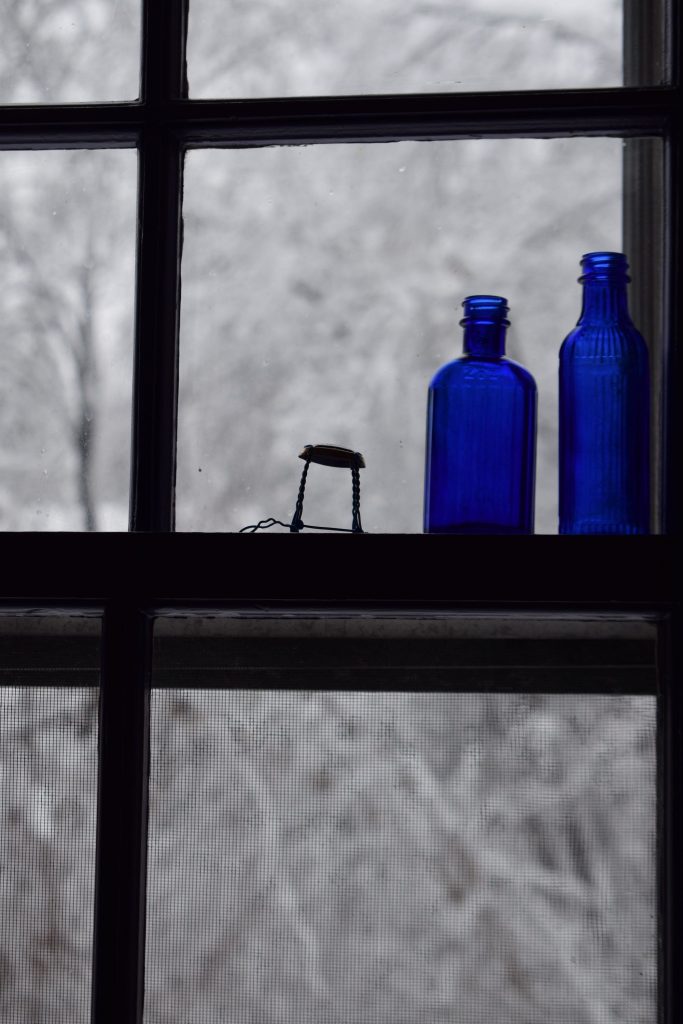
x=604 y=264
x=486 y=309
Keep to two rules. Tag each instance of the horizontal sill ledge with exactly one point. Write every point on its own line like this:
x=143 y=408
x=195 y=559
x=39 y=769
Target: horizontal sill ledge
x=185 y=569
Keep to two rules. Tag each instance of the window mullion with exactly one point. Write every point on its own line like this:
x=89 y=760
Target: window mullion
x=645 y=63
x=670 y=845
x=120 y=880
x=120 y=887
x=673 y=293
x=155 y=378
x=431 y=116
x=163 y=65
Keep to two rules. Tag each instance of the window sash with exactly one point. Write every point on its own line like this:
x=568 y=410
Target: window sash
x=164 y=123
x=136 y=574
x=164 y=128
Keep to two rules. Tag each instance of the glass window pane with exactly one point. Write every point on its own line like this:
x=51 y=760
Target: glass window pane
x=322 y=48
x=48 y=774
x=321 y=292
x=401 y=857
x=67 y=255
x=69 y=51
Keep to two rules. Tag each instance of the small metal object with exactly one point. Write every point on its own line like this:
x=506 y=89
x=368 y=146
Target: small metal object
x=323 y=455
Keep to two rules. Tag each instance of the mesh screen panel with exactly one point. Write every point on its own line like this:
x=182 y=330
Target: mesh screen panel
x=48 y=781
x=357 y=857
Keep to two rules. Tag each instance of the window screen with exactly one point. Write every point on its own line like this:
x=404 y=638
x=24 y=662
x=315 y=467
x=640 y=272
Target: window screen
x=48 y=786
x=351 y=855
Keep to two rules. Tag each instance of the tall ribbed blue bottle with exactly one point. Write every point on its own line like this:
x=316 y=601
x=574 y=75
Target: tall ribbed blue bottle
x=604 y=409
x=481 y=433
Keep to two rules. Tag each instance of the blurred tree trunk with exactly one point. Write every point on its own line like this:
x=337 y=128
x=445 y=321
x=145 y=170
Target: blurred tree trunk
x=86 y=378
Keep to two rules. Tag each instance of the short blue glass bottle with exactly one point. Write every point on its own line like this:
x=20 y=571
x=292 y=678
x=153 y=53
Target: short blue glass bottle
x=481 y=433
x=604 y=409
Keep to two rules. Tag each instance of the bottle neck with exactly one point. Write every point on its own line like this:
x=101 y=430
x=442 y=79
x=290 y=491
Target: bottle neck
x=484 y=339
x=604 y=279
x=604 y=299
x=485 y=324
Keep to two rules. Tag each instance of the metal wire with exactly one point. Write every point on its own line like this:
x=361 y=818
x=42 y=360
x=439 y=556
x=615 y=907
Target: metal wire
x=297 y=524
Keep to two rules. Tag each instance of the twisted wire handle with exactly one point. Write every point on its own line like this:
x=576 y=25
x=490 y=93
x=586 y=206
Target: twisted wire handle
x=356 y=525
x=297 y=523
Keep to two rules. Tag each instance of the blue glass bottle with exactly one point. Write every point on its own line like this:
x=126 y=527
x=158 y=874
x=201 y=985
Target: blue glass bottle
x=604 y=409
x=481 y=433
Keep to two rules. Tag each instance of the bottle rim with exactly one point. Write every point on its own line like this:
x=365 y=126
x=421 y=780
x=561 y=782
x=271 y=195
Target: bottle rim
x=604 y=264
x=485 y=308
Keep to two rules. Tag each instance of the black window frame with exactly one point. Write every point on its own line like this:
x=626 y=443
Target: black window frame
x=132 y=578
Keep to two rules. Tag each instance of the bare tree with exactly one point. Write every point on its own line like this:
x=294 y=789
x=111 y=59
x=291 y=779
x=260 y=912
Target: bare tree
x=65 y=230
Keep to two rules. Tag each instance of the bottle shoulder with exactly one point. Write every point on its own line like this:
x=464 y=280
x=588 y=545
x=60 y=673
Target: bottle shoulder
x=470 y=370
x=604 y=340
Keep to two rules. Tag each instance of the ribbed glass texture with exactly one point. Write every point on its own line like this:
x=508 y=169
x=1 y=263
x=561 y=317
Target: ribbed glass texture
x=481 y=433
x=604 y=409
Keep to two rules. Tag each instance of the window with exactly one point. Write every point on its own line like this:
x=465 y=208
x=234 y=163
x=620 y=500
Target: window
x=150 y=572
